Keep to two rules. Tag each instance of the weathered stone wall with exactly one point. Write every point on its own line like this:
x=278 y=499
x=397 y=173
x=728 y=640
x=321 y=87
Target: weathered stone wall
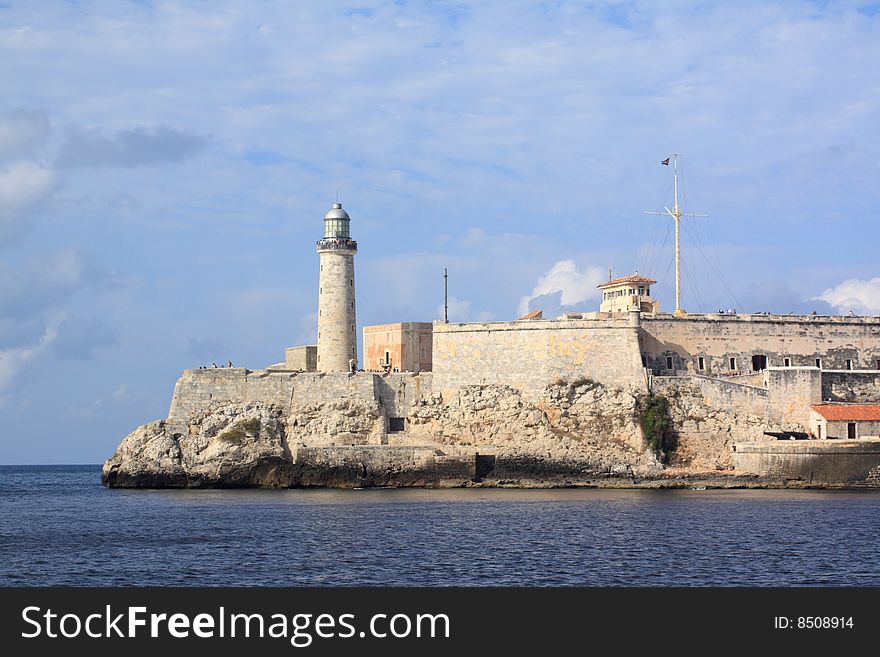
x=302 y=359
x=408 y=347
x=529 y=355
x=791 y=391
x=199 y=390
x=855 y=462
x=717 y=338
x=709 y=414
x=861 y=387
x=840 y=429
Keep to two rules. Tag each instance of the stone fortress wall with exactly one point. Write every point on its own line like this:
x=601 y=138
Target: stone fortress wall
x=717 y=338
x=550 y=399
x=529 y=355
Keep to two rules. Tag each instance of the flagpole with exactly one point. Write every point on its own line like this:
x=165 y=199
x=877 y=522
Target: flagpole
x=676 y=215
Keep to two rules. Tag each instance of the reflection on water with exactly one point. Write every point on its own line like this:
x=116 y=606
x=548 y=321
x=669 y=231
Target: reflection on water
x=59 y=526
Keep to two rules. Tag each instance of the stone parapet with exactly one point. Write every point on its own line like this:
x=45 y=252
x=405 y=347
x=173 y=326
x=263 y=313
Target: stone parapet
x=853 y=462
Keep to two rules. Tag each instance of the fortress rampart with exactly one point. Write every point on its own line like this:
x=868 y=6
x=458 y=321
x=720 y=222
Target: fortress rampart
x=530 y=355
x=837 y=343
x=847 y=462
x=540 y=402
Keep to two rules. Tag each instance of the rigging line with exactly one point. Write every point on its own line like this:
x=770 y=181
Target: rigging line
x=720 y=277
x=714 y=242
x=648 y=253
x=666 y=273
x=693 y=231
x=656 y=263
x=701 y=305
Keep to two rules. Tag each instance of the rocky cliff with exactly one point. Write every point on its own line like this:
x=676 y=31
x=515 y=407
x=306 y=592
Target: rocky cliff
x=299 y=434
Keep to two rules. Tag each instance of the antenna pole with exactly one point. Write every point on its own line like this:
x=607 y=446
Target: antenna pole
x=676 y=215
x=445 y=296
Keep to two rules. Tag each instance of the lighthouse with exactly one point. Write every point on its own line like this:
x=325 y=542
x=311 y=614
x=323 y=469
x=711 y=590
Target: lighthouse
x=337 y=336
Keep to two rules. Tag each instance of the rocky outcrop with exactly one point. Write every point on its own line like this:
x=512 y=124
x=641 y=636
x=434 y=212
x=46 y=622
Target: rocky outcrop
x=575 y=433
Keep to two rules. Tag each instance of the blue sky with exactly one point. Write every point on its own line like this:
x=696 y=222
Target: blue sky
x=164 y=169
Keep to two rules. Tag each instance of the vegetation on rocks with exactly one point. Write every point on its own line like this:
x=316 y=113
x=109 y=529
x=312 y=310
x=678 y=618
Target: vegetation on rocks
x=655 y=420
x=237 y=433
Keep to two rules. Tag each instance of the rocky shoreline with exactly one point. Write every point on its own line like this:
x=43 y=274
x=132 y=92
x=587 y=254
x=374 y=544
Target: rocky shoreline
x=242 y=429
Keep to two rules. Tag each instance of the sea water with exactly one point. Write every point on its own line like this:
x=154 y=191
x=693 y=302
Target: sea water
x=59 y=526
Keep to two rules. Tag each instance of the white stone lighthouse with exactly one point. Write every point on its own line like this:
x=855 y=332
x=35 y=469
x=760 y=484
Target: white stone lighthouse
x=337 y=334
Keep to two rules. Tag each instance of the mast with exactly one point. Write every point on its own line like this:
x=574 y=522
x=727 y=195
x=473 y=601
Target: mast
x=676 y=215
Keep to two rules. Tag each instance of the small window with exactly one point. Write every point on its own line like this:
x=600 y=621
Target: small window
x=878 y=364
x=396 y=424
x=849 y=365
x=669 y=362
x=786 y=362
x=352 y=304
x=352 y=351
x=352 y=328
x=351 y=282
x=733 y=364
x=701 y=363
x=819 y=363
x=423 y=352
x=387 y=357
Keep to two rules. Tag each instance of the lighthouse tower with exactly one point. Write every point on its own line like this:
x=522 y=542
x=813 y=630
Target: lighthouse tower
x=337 y=337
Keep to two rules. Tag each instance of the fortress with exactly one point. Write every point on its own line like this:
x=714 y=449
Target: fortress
x=530 y=402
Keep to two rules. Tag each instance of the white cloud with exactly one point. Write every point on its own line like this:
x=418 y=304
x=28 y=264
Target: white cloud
x=22 y=185
x=856 y=295
x=564 y=278
x=473 y=237
x=12 y=361
x=461 y=310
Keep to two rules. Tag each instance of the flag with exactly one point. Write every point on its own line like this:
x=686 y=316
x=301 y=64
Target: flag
x=665 y=162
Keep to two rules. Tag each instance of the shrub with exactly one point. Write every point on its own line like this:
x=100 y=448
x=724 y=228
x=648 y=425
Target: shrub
x=237 y=433
x=654 y=415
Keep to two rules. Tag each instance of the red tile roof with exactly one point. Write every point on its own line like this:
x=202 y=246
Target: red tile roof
x=535 y=314
x=629 y=279
x=848 y=412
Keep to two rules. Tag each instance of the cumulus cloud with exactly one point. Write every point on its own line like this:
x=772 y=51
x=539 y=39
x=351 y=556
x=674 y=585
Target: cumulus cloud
x=859 y=296
x=572 y=284
x=129 y=148
x=461 y=310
